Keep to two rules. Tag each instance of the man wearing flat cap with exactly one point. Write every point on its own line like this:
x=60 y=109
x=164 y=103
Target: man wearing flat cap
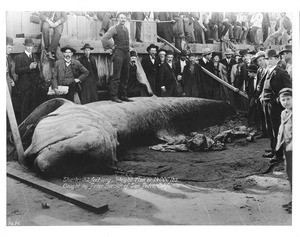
x=89 y=91
x=286 y=54
x=9 y=64
x=28 y=78
x=150 y=66
x=228 y=61
x=68 y=72
x=276 y=80
x=120 y=58
x=206 y=84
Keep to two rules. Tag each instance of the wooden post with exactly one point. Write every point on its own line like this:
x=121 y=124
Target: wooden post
x=14 y=128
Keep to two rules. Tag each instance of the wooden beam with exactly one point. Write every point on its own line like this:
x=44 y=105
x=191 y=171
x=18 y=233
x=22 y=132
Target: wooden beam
x=14 y=128
x=55 y=190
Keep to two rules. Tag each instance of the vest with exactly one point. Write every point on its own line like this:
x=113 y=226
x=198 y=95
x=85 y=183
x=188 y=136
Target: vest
x=121 y=39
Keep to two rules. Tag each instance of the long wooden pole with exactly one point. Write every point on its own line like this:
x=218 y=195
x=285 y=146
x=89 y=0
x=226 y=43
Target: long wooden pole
x=208 y=72
x=14 y=128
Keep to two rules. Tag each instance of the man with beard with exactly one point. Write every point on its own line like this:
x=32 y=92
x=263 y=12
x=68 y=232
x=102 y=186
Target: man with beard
x=276 y=80
x=167 y=76
x=28 y=79
x=150 y=66
x=68 y=72
x=89 y=91
x=120 y=58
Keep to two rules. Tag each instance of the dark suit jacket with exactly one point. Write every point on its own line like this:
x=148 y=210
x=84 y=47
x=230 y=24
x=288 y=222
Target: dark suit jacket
x=93 y=71
x=243 y=77
x=279 y=79
x=27 y=78
x=207 y=83
x=166 y=75
x=228 y=67
x=150 y=69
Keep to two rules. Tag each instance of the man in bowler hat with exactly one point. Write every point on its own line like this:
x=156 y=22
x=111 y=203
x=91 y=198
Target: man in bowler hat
x=28 y=78
x=276 y=80
x=120 y=58
x=89 y=91
x=68 y=72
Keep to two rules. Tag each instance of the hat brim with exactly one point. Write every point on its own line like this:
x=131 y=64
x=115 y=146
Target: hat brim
x=91 y=48
x=28 y=44
x=283 y=51
x=63 y=49
x=148 y=48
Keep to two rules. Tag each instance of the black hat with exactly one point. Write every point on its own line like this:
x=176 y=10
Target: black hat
x=286 y=91
x=28 y=42
x=87 y=46
x=169 y=52
x=252 y=68
x=9 y=41
x=133 y=53
x=183 y=53
x=216 y=54
x=243 y=52
x=286 y=48
x=63 y=49
x=271 y=53
x=152 y=46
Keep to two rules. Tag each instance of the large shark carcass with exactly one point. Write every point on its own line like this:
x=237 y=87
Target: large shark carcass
x=73 y=139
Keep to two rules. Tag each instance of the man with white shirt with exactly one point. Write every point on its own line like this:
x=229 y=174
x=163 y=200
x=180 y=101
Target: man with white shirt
x=68 y=72
x=276 y=80
x=255 y=24
x=150 y=66
x=167 y=78
x=28 y=78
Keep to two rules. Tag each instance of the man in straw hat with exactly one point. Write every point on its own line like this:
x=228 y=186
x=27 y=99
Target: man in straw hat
x=150 y=66
x=228 y=61
x=9 y=74
x=89 y=91
x=28 y=78
x=120 y=50
x=68 y=72
x=276 y=80
x=286 y=54
x=205 y=86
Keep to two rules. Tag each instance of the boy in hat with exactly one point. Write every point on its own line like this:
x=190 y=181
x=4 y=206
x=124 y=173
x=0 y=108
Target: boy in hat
x=150 y=66
x=28 y=78
x=285 y=135
x=120 y=48
x=89 y=91
x=68 y=72
x=9 y=75
x=276 y=80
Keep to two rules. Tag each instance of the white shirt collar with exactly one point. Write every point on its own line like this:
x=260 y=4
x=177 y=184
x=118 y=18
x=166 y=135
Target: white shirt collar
x=272 y=68
x=28 y=54
x=205 y=60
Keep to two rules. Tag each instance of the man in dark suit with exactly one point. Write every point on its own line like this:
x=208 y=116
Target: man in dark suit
x=55 y=21
x=89 y=91
x=276 y=80
x=167 y=76
x=150 y=66
x=206 y=84
x=28 y=79
x=228 y=61
x=179 y=66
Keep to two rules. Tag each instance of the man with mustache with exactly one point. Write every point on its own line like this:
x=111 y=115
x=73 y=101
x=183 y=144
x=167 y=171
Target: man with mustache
x=68 y=72
x=120 y=58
